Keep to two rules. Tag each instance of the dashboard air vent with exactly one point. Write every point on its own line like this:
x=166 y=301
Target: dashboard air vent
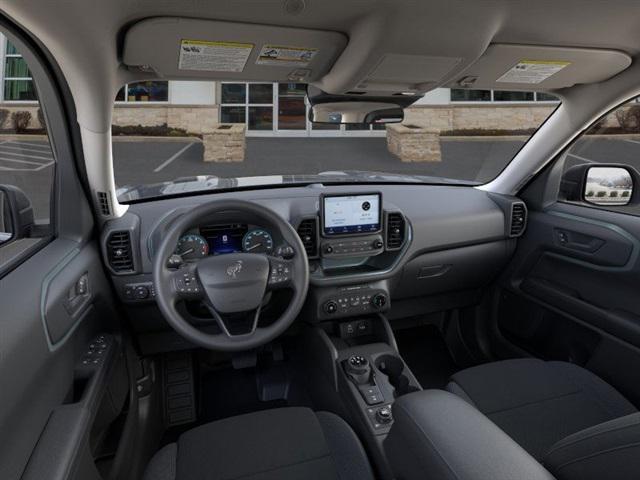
x=395 y=230
x=119 y=252
x=103 y=203
x=518 y=219
x=308 y=233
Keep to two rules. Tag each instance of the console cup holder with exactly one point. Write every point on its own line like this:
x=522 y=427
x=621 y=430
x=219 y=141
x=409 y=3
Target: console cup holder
x=393 y=367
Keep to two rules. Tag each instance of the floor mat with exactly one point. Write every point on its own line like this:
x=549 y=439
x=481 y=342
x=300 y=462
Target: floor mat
x=425 y=351
x=228 y=392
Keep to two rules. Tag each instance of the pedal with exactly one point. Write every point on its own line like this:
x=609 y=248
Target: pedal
x=179 y=394
x=273 y=383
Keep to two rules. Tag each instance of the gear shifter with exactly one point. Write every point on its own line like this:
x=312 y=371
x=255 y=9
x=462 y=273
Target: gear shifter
x=359 y=369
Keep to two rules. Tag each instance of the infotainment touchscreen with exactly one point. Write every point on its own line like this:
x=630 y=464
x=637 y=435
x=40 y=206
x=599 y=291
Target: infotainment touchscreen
x=351 y=214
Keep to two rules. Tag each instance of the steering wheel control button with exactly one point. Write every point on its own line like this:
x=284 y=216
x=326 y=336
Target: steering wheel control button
x=280 y=273
x=187 y=284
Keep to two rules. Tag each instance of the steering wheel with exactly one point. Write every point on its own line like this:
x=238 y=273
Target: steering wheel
x=232 y=283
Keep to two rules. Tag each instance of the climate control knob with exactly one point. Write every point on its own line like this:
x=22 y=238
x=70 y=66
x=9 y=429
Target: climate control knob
x=330 y=307
x=379 y=301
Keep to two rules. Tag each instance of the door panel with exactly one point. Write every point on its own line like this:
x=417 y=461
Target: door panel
x=54 y=302
x=38 y=369
x=571 y=291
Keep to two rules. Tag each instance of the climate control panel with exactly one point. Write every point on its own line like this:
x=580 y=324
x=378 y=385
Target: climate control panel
x=361 y=246
x=354 y=300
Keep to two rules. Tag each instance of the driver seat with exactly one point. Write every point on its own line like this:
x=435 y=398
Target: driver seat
x=285 y=443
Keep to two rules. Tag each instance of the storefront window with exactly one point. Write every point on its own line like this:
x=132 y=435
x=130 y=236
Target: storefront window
x=149 y=91
x=233 y=93
x=461 y=95
x=18 y=85
x=261 y=93
x=505 y=96
x=292 y=109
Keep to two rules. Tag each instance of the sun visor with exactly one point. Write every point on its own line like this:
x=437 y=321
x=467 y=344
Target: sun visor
x=180 y=48
x=526 y=67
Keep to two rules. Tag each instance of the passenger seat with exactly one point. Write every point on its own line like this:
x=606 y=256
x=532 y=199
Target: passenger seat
x=539 y=404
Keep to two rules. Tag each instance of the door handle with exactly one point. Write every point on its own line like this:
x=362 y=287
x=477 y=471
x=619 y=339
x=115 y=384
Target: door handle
x=78 y=296
x=578 y=241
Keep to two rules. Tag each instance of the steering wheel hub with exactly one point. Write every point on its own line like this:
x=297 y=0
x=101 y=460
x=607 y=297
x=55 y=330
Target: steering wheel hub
x=235 y=282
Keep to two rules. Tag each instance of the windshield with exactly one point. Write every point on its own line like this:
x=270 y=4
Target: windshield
x=173 y=137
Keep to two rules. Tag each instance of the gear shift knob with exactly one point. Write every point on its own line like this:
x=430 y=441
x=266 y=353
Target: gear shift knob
x=358 y=368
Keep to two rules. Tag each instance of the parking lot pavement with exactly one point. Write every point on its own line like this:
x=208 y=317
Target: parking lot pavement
x=142 y=162
x=28 y=164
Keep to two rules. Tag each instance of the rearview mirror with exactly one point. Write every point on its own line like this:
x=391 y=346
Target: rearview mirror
x=610 y=186
x=356 y=109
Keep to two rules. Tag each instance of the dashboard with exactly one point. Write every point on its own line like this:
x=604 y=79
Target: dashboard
x=395 y=249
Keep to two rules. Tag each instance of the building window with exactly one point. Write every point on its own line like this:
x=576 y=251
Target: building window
x=149 y=91
x=250 y=103
x=18 y=84
x=507 y=96
x=464 y=95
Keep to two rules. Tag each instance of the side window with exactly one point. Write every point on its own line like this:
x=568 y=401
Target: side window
x=27 y=165
x=602 y=168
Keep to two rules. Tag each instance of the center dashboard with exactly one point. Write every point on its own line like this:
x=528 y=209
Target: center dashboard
x=366 y=248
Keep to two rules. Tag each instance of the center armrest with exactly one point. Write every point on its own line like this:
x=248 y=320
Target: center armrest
x=438 y=435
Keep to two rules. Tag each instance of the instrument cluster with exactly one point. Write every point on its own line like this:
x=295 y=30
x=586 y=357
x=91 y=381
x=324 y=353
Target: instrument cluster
x=222 y=239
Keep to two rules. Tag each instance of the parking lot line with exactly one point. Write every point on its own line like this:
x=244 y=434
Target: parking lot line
x=28 y=144
x=631 y=141
x=173 y=157
x=28 y=162
x=584 y=159
x=22 y=149
x=26 y=155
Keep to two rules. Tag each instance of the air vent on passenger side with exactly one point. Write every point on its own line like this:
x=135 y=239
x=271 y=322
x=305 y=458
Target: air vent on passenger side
x=308 y=233
x=119 y=252
x=395 y=230
x=518 y=219
x=104 y=204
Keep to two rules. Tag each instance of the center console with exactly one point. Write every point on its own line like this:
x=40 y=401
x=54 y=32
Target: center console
x=367 y=375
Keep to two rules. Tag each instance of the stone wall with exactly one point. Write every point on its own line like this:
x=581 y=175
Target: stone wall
x=192 y=118
x=488 y=117
x=411 y=144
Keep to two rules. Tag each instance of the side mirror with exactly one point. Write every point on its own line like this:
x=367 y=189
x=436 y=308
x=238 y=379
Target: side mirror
x=16 y=214
x=605 y=185
x=608 y=186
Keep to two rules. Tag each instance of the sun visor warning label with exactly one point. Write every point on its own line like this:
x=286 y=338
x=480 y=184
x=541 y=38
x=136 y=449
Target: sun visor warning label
x=532 y=71
x=285 y=56
x=213 y=56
